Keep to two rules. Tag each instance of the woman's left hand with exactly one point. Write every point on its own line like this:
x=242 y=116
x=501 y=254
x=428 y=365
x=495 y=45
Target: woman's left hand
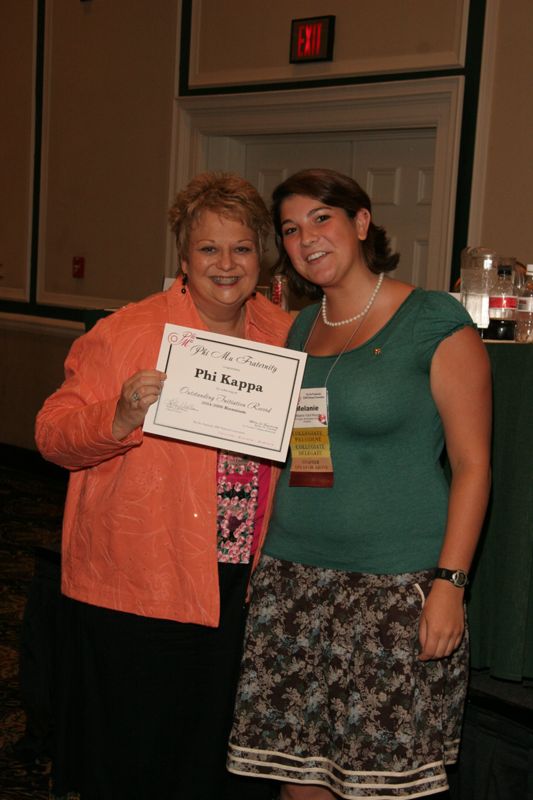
x=442 y=622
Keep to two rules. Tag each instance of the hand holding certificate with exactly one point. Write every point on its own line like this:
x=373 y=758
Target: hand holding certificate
x=228 y=393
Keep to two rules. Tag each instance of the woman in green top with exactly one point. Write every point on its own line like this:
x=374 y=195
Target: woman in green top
x=355 y=666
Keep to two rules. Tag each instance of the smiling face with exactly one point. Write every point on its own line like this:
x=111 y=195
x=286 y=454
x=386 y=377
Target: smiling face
x=222 y=265
x=322 y=242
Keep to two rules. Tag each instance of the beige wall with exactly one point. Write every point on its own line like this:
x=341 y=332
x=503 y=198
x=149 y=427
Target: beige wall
x=107 y=155
x=110 y=77
x=507 y=202
x=233 y=42
x=32 y=368
x=16 y=145
x=108 y=122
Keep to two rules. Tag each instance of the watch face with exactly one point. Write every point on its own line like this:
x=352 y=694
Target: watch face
x=459 y=578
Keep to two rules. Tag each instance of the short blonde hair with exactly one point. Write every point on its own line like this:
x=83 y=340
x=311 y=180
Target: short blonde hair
x=226 y=194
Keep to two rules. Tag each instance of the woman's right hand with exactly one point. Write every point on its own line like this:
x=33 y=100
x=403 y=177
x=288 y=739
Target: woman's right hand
x=136 y=396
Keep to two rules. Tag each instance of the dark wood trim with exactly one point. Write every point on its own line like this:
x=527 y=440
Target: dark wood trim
x=474 y=52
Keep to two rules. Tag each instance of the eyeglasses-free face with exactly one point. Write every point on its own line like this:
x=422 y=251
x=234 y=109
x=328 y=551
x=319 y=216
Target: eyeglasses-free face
x=222 y=264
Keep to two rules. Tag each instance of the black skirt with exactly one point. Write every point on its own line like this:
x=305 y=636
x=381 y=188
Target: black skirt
x=144 y=706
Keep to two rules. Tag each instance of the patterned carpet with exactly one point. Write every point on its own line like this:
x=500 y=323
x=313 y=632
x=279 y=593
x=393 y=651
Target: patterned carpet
x=31 y=502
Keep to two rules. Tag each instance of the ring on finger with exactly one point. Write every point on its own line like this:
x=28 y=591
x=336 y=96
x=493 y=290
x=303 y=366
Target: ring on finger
x=135 y=397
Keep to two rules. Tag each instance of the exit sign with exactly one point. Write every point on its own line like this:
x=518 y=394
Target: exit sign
x=312 y=39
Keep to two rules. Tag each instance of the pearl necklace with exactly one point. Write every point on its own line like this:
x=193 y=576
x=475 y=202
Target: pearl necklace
x=362 y=313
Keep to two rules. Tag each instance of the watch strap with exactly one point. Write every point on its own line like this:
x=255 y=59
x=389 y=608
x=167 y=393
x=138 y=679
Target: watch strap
x=458 y=577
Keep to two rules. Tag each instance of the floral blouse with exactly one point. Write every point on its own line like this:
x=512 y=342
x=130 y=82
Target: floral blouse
x=241 y=494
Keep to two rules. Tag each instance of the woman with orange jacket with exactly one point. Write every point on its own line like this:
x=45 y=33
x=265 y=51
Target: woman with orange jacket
x=158 y=534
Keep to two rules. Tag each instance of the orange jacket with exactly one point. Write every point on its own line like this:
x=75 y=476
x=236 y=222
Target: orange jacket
x=139 y=531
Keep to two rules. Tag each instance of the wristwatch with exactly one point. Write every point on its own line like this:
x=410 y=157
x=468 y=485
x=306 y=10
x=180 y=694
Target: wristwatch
x=458 y=577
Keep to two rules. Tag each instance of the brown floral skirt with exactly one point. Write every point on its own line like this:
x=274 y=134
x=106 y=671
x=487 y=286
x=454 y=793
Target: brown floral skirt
x=331 y=691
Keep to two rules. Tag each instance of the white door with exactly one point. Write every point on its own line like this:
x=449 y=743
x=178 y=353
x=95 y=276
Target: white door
x=395 y=167
x=400 y=139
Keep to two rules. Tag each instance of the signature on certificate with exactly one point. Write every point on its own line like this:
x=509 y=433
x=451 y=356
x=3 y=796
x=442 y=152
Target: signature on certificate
x=180 y=406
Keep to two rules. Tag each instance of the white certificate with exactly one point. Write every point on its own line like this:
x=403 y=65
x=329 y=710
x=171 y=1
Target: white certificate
x=232 y=394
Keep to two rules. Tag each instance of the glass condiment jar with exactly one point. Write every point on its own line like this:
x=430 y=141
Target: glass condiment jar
x=479 y=273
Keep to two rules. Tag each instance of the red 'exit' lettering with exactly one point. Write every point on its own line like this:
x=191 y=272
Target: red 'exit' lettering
x=309 y=40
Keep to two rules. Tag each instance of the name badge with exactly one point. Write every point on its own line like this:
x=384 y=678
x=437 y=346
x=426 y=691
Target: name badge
x=310 y=446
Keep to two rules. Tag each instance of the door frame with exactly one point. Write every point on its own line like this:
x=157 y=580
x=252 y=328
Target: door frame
x=204 y=122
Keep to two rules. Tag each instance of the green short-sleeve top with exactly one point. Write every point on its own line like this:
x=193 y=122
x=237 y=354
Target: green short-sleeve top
x=386 y=512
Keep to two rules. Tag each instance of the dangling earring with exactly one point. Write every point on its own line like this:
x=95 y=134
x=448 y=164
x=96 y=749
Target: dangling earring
x=184 y=281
